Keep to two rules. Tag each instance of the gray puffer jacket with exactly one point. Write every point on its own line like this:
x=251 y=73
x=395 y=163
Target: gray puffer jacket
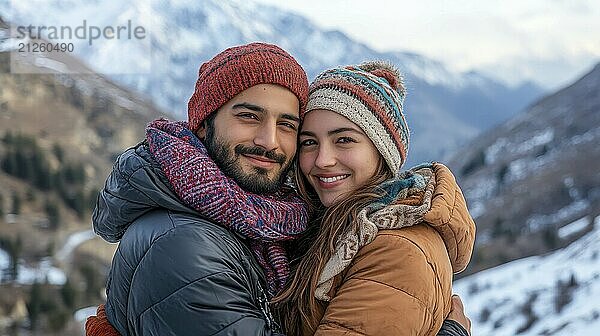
x=174 y=273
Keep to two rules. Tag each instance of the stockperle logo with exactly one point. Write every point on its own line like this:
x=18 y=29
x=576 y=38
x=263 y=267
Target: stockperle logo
x=47 y=45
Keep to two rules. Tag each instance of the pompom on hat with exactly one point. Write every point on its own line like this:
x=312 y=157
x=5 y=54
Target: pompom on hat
x=371 y=95
x=239 y=68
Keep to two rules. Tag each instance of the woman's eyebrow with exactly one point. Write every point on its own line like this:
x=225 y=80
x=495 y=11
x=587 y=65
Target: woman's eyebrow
x=332 y=132
x=344 y=129
x=307 y=133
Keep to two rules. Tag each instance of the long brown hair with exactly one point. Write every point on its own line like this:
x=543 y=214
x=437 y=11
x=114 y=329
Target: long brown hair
x=296 y=304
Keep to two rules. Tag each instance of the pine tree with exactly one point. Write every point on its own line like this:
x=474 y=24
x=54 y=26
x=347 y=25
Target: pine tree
x=57 y=319
x=16 y=204
x=550 y=236
x=59 y=152
x=92 y=280
x=68 y=294
x=30 y=195
x=53 y=213
x=13 y=247
x=8 y=139
x=34 y=305
x=9 y=162
x=80 y=204
x=15 y=252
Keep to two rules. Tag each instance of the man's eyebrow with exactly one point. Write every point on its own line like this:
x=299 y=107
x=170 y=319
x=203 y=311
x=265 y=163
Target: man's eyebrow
x=257 y=108
x=249 y=106
x=290 y=117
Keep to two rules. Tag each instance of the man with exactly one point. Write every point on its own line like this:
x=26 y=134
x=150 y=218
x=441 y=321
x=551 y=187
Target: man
x=200 y=209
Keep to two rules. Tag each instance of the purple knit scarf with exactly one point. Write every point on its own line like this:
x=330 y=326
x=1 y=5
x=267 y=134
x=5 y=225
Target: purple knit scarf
x=265 y=220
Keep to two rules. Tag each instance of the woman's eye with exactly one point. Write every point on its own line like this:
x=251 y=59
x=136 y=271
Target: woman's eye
x=346 y=140
x=307 y=142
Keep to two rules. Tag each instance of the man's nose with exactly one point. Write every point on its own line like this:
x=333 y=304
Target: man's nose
x=266 y=137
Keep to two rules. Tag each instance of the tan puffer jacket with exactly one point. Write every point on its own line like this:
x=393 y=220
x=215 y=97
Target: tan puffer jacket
x=401 y=283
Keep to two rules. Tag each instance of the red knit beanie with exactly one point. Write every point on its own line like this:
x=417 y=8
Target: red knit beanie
x=239 y=68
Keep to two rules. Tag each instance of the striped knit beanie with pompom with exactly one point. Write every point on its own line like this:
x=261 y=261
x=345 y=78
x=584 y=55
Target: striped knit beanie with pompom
x=239 y=68
x=371 y=95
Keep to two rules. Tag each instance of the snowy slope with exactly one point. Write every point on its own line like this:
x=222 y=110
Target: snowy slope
x=441 y=104
x=555 y=294
x=533 y=185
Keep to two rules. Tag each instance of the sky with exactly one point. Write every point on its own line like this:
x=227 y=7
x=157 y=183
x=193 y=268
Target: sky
x=551 y=42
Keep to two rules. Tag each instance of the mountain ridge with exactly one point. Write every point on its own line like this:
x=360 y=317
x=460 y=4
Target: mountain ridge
x=442 y=107
x=528 y=177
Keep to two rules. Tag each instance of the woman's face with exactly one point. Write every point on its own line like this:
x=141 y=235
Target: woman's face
x=335 y=155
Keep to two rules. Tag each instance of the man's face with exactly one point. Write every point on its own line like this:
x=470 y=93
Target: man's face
x=252 y=138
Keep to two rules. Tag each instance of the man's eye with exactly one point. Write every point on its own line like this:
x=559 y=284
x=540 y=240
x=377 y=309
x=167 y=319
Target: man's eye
x=248 y=116
x=289 y=125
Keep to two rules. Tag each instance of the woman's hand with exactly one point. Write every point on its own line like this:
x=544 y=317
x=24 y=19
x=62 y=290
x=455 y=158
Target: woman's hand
x=457 y=313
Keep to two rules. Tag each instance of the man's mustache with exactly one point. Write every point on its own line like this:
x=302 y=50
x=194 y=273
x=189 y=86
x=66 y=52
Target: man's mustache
x=271 y=155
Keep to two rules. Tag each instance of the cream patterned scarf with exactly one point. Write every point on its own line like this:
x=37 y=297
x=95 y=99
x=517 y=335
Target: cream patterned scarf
x=406 y=199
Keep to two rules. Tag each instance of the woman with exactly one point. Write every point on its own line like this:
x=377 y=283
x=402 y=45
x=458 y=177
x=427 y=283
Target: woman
x=373 y=266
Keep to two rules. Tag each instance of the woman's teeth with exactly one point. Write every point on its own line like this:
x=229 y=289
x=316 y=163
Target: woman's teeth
x=332 y=179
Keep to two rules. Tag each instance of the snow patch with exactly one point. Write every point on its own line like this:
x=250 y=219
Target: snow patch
x=483 y=189
x=494 y=150
x=535 y=222
x=586 y=137
x=57 y=66
x=4 y=260
x=558 y=288
x=518 y=169
x=539 y=139
x=44 y=271
x=73 y=241
x=82 y=314
x=572 y=228
x=476 y=209
x=28 y=274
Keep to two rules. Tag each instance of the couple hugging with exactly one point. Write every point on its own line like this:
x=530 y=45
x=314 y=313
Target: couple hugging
x=281 y=208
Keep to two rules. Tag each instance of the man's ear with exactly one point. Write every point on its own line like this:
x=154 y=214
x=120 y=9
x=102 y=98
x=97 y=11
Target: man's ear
x=201 y=132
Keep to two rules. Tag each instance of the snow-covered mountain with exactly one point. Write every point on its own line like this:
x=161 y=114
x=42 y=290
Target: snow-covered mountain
x=443 y=108
x=529 y=177
x=554 y=294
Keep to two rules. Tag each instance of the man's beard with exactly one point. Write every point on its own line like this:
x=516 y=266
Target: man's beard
x=259 y=182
